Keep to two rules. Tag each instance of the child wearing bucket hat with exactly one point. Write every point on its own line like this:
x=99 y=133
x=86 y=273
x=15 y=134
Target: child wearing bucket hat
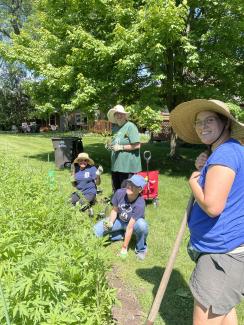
x=125 y=146
x=216 y=221
x=85 y=178
x=127 y=217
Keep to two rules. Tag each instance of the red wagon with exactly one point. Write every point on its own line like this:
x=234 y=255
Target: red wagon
x=150 y=191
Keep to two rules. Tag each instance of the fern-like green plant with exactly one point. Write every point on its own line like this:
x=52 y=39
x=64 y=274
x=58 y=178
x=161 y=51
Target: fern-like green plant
x=50 y=267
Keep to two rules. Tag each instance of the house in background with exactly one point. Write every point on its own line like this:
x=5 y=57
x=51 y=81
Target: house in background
x=73 y=121
x=77 y=120
x=165 y=133
x=80 y=121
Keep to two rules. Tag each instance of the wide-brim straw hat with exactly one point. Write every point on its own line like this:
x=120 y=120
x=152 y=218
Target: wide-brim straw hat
x=83 y=156
x=116 y=109
x=183 y=116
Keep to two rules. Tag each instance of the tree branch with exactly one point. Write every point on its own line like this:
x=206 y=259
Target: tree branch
x=4 y=32
x=15 y=26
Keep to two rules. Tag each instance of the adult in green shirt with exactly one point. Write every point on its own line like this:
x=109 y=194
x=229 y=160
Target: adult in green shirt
x=125 y=145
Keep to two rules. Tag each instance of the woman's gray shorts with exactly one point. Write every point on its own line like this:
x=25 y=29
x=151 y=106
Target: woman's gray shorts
x=218 y=282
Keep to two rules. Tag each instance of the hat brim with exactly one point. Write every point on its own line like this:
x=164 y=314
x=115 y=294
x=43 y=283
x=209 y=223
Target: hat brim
x=90 y=161
x=136 y=184
x=111 y=117
x=129 y=181
x=183 y=116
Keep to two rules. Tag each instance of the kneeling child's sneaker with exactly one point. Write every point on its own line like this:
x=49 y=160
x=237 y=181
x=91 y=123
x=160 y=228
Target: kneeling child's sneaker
x=141 y=255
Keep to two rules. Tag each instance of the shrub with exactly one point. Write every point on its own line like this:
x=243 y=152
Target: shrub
x=50 y=268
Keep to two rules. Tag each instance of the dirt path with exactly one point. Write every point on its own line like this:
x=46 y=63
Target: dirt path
x=130 y=311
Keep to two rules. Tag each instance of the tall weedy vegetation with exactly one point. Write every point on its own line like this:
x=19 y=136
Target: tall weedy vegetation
x=51 y=270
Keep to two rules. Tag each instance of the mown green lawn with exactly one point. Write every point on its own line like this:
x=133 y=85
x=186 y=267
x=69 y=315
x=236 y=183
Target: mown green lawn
x=143 y=277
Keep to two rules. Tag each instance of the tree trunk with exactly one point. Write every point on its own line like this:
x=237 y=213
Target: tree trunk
x=170 y=98
x=64 y=123
x=173 y=146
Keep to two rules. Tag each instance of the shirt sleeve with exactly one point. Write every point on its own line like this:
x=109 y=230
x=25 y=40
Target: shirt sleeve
x=133 y=134
x=225 y=156
x=115 y=199
x=139 y=210
x=93 y=172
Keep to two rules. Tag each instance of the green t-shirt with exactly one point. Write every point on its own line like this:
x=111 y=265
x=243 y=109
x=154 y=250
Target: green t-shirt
x=126 y=161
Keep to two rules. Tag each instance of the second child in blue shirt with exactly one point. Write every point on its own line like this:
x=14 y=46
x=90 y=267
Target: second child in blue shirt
x=127 y=217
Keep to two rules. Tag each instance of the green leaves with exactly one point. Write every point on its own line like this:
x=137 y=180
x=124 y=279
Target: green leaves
x=93 y=54
x=51 y=270
x=236 y=111
x=146 y=117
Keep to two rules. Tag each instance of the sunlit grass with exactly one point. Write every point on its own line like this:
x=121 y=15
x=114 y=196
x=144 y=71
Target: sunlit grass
x=143 y=277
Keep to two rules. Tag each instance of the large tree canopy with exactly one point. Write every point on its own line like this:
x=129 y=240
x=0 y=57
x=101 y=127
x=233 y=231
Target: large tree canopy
x=12 y=15
x=156 y=53
x=14 y=102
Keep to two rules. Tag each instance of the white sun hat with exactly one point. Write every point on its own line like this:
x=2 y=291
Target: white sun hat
x=116 y=109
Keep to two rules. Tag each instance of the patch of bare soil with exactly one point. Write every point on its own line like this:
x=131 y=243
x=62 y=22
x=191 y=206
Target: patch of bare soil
x=129 y=311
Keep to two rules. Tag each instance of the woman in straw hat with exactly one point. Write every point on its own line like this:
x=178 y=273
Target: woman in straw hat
x=216 y=221
x=125 y=157
x=85 y=178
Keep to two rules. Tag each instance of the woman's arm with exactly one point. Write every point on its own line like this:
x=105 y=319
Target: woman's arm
x=201 y=160
x=108 y=222
x=126 y=147
x=72 y=178
x=113 y=214
x=128 y=233
x=132 y=146
x=99 y=171
x=218 y=183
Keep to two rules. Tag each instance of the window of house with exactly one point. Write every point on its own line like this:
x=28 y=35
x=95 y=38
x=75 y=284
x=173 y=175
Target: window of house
x=77 y=119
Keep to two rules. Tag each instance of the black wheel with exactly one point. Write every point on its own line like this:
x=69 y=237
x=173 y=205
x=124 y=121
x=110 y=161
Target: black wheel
x=67 y=164
x=99 y=190
x=156 y=202
x=90 y=212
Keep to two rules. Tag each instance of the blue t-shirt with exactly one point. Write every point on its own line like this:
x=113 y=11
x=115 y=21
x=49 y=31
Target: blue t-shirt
x=86 y=180
x=126 y=209
x=225 y=232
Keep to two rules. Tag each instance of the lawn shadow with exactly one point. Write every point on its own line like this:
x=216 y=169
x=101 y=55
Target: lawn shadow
x=96 y=151
x=178 y=167
x=177 y=305
x=159 y=161
x=45 y=157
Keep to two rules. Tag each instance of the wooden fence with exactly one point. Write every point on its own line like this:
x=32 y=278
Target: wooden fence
x=165 y=133
x=101 y=127
x=105 y=127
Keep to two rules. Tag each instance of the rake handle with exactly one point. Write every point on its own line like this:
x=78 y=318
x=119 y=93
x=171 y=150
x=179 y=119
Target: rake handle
x=168 y=270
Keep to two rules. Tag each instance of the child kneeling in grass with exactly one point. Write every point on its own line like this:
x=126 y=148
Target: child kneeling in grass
x=127 y=217
x=85 y=178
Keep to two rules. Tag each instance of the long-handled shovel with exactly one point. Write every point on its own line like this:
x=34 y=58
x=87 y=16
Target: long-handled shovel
x=147 y=156
x=168 y=270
